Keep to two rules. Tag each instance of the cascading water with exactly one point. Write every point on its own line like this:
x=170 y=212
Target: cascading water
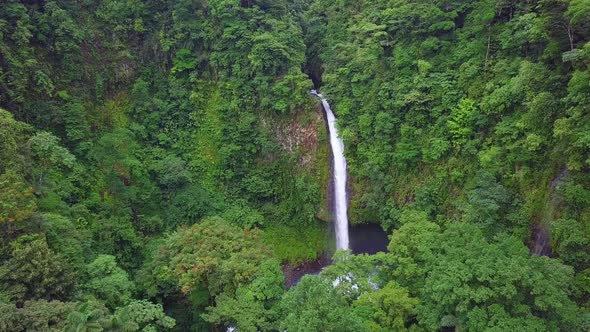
x=340 y=206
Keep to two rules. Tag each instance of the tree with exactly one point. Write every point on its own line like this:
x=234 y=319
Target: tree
x=137 y=315
x=354 y=275
x=487 y=202
x=49 y=154
x=68 y=237
x=390 y=308
x=571 y=240
x=192 y=203
x=17 y=199
x=108 y=282
x=578 y=12
x=172 y=172
x=34 y=271
x=230 y=264
x=462 y=121
x=411 y=249
x=314 y=305
x=473 y=284
x=116 y=236
x=12 y=136
x=251 y=307
x=88 y=317
x=124 y=176
x=213 y=253
x=35 y=316
x=141 y=315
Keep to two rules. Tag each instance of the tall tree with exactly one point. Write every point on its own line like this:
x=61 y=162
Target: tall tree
x=34 y=271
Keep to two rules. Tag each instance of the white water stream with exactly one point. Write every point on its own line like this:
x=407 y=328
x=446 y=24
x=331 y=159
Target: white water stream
x=340 y=200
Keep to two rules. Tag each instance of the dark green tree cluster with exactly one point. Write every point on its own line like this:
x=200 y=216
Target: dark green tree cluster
x=438 y=278
x=121 y=121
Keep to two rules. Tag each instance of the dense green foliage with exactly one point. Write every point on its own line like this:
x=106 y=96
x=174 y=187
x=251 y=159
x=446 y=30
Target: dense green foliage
x=474 y=115
x=160 y=160
x=123 y=120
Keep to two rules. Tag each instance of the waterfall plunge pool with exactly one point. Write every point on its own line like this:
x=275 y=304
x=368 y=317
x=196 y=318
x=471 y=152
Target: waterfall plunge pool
x=367 y=239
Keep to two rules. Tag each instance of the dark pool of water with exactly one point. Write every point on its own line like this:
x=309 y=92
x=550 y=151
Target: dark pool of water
x=367 y=239
x=364 y=239
x=294 y=273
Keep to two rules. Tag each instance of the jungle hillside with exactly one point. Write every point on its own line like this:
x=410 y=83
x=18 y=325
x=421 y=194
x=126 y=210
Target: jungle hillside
x=164 y=167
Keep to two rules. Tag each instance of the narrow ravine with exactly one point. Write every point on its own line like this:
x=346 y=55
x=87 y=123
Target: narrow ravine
x=340 y=200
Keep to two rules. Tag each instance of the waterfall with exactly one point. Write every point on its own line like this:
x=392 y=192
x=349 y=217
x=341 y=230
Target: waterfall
x=340 y=206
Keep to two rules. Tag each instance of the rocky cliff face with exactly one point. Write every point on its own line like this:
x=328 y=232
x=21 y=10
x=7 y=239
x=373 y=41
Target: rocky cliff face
x=304 y=136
